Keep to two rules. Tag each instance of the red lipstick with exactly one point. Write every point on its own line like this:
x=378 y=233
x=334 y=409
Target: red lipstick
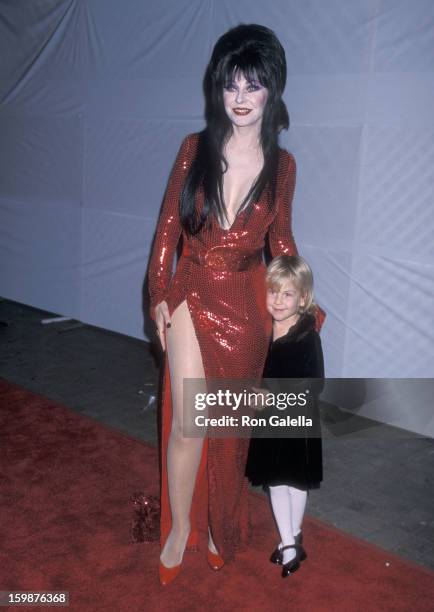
x=242 y=111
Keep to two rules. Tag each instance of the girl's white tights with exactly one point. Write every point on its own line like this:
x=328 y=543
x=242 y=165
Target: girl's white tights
x=288 y=505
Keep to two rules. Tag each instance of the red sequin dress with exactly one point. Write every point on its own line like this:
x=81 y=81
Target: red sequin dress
x=221 y=275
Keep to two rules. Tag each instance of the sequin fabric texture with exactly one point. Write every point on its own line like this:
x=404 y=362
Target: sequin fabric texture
x=221 y=275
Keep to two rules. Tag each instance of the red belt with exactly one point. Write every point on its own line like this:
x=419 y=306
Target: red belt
x=224 y=258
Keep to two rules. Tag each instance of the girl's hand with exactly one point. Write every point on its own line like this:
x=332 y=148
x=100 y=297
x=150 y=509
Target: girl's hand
x=258 y=405
x=162 y=321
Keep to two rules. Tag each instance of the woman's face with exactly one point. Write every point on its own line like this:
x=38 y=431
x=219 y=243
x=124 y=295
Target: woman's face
x=284 y=304
x=244 y=100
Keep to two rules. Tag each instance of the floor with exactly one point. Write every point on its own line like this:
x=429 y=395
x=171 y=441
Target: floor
x=379 y=489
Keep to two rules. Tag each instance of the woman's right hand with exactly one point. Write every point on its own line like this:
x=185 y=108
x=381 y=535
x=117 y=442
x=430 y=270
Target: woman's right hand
x=162 y=321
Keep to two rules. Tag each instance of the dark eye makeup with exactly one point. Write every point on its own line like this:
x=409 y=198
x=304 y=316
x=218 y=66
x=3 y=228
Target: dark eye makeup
x=252 y=86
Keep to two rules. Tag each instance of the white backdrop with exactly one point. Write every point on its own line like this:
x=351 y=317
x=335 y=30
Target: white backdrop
x=96 y=96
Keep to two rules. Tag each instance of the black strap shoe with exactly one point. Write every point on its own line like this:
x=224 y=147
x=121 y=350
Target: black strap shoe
x=277 y=557
x=293 y=565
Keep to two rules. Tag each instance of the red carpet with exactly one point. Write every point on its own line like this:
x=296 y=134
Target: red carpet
x=65 y=513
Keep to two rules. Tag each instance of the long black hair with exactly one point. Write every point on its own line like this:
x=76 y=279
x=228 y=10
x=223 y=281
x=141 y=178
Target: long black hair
x=255 y=51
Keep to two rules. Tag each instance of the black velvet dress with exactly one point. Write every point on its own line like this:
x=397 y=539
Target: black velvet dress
x=293 y=461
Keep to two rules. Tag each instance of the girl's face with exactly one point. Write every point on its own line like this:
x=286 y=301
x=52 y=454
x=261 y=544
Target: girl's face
x=284 y=304
x=244 y=100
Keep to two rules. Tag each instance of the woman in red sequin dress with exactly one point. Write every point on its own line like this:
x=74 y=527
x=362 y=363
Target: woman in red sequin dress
x=230 y=191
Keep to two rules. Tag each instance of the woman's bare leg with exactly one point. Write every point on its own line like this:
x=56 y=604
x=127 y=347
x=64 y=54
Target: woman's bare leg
x=183 y=454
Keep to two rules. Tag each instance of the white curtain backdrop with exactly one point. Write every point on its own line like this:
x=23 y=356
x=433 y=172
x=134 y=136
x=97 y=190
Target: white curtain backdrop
x=96 y=96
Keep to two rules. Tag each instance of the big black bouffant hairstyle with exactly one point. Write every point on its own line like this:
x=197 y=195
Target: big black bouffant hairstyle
x=257 y=53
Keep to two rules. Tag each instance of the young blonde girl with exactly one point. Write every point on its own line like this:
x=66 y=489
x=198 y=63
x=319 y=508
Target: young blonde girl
x=289 y=467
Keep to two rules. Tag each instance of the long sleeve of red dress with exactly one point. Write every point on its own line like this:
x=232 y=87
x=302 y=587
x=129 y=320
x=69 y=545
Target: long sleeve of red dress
x=280 y=236
x=168 y=231
x=281 y=239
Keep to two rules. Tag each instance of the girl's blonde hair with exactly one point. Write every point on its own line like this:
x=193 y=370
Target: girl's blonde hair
x=292 y=267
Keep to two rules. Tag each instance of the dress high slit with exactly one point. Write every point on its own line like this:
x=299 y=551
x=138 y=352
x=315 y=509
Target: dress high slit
x=201 y=482
x=221 y=276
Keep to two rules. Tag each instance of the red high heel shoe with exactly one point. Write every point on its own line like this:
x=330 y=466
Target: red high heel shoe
x=168 y=574
x=215 y=561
